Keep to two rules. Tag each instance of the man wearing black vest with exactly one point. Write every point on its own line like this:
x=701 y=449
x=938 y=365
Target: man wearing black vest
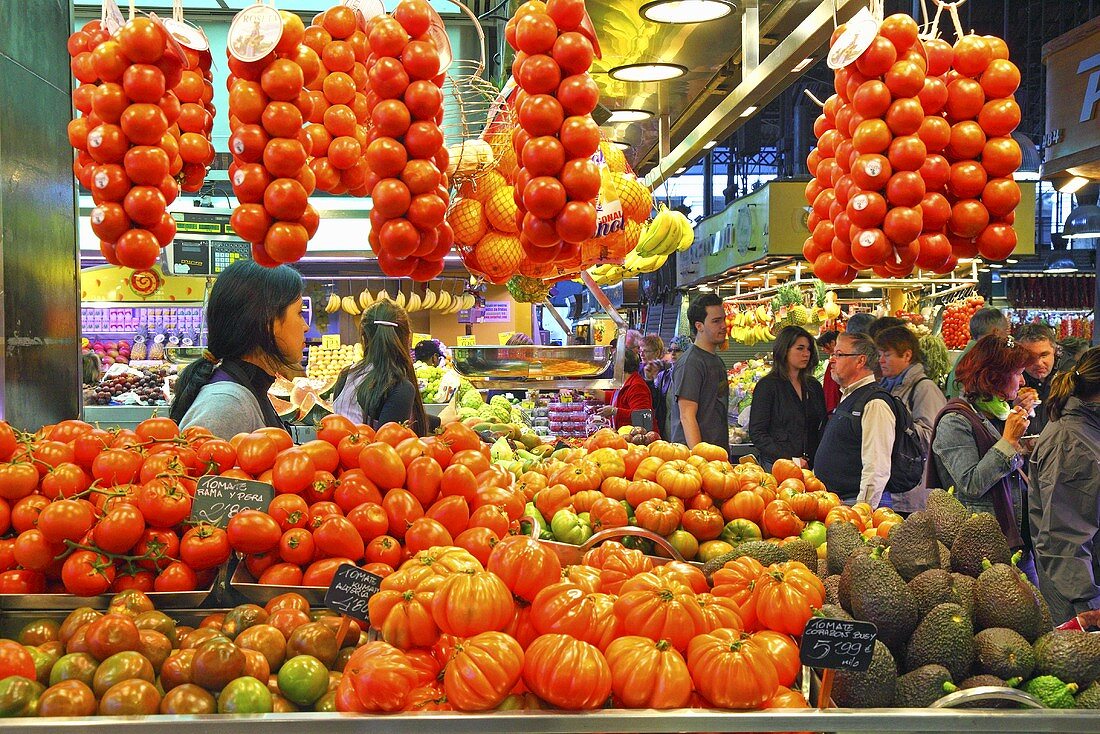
x=1038 y=339
x=853 y=458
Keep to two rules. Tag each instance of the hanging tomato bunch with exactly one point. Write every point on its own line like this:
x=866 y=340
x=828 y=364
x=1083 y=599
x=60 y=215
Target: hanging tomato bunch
x=914 y=161
x=195 y=92
x=332 y=56
x=405 y=154
x=127 y=154
x=269 y=175
x=557 y=181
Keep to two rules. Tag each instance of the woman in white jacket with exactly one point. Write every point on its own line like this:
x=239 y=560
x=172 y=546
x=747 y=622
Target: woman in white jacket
x=903 y=375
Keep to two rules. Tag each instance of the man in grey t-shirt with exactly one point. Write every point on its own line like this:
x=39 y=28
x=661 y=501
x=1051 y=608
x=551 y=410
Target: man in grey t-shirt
x=699 y=396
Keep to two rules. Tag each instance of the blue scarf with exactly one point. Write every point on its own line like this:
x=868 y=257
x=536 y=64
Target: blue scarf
x=889 y=384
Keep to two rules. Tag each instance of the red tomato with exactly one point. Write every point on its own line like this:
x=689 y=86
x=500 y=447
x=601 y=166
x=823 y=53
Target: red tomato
x=252 y=531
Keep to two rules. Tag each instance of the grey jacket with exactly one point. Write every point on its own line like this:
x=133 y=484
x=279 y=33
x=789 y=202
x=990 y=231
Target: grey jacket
x=1064 y=510
x=956 y=455
x=225 y=408
x=926 y=401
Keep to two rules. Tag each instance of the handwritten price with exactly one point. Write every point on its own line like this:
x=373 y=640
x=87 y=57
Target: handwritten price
x=851 y=650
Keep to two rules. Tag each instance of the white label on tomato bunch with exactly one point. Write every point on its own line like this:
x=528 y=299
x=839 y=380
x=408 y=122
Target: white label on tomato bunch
x=867 y=238
x=254 y=32
x=860 y=202
x=859 y=33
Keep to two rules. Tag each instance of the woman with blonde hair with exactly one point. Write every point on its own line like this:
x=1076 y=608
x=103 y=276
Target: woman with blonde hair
x=382 y=387
x=1064 y=495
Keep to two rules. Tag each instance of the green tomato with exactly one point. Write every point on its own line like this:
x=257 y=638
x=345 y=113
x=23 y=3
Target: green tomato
x=814 y=532
x=639 y=544
x=75 y=666
x=43 y=663
x=685 y=543
x=568 y=527
x=712 y=549
x=326 y=702
x=303 y=679
x=19 y=696
x=740 y=530
x=245 y=695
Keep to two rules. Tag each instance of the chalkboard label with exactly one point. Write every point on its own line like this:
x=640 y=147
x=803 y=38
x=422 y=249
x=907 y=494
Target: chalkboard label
x=350 y=590
x=219 y=498
x=838 y=643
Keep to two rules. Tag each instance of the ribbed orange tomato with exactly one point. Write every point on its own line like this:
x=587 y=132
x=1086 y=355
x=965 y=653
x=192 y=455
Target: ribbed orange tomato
x=567 y=672
x=482 y=671
x=648 y=674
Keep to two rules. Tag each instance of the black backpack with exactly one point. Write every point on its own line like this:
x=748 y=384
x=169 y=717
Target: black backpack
x=909 y=453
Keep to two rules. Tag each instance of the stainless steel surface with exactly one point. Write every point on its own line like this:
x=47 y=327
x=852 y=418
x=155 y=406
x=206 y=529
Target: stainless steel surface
x=121 y=416
x=607 y=720
x=531 y=362
x=570 y=554
x=68 y=602
x=246 y=585
x=760 y=86
x=988 y=693
x=183 y=355
x=750 y=35
x=39 y=331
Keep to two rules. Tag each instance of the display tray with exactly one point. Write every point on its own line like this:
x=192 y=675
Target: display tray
x=245 y=584
x=532 y=362
x=68 y=602
x=570 y=554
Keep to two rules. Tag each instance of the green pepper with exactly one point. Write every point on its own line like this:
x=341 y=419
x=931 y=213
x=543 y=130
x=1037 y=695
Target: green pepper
x=544 y=527
x=569 y=528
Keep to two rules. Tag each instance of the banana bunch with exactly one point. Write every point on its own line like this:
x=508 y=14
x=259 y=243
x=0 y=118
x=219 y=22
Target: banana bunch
x=669 y=232
x=441 y=301
x=634 y=263
x=752 y=326
x=607 y=275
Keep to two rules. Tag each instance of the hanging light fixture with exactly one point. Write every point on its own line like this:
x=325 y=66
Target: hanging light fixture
x=621 y=144
x=1062 y=267
x=679 y=12
x=1082 y=222
x=647 y=72
x=628 y=115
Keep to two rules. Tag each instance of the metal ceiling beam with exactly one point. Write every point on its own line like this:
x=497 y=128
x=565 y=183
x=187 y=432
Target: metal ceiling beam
x=757 y=87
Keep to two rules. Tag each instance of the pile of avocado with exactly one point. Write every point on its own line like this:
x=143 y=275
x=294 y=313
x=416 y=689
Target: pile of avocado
x=953 y=612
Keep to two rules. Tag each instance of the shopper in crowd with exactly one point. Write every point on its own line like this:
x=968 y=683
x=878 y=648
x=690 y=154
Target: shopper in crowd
x=382 y=387
x=903 y=376
x=255 y=332
x=976 y=438
x=699 y=395
x=788 y=404
x=633 y=395
x=1038 y=340
x=653 y=349
x=634 y=340
x=986 y=320
x=882 y=323
x=429 y=352
x=676 y=347
x=853 y=457
x=1064 y=497
x=859 y=323
x=1070 y=350
x=91 y=369
x=826 y=344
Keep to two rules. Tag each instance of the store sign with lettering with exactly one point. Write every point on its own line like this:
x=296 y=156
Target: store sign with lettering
x=351 y=590
x=839 y=644
x=217 y=499
x=497 y=311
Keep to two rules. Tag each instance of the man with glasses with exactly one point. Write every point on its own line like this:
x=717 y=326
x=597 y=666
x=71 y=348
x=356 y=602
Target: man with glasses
x=1038 y=340
x=853 y=458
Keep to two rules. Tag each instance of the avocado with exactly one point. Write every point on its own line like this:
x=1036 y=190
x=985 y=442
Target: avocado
x=945 y=556
x=922 y=687
x=1089 y=698
x=878 y=594
x=766 y=553
x=913 y=548
x=1071 y=655
x=1004 y=598
x=874 y=688
x=1004 y=653
x=981 y=681
x=947 y=513
x=841 y=540
x=832 y=590
x=833 y=611
x=802 y=551
x=945 y=636
x=1053 y=692
x=980 y=539
x=937 y=586
x=844 y=588
x=822 y=569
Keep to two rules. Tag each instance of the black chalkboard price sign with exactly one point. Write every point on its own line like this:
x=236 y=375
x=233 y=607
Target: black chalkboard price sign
x=838 y=644
x=350 y=590
x=219 y=498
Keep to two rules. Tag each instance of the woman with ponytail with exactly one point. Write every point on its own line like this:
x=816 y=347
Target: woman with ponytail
x=255 y=332
x=382 y=387
x=1064 y=497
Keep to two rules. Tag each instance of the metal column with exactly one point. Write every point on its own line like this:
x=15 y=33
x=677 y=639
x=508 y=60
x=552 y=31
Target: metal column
x=40 y=357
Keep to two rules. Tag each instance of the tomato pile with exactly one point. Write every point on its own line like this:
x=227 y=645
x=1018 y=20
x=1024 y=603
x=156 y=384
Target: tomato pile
x=195 y=92
x=405 y=155
x=129 y=146
x=915 y=157
x=614 y=626
x=333 y=55
x=557 y=182
x=956 y=321
x=269 y=173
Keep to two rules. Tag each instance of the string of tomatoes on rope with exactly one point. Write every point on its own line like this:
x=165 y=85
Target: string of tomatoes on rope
x=915 y=160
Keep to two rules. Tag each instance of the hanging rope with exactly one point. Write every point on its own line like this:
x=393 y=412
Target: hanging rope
x=177 y=10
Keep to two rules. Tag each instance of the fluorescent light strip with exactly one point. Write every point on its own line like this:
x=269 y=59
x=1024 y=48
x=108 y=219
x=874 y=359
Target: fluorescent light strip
x=750 y=111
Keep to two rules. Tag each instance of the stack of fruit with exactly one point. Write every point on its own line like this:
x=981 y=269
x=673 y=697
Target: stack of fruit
x=749 y=326
x=953 y=612
x=326 y=363
x=668 y=233
x=743 y=377
x=111 y=352
x=956 y=321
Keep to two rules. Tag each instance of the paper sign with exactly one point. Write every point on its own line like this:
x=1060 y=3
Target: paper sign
x=254 y=32
x=859 y=33
x=417 y=338
x=350 y=590
x=467 y=341
x=504 y=336
x=330 y=341
x=111 y=17
x=497 y=311
x=838 y=643
x=219 y=498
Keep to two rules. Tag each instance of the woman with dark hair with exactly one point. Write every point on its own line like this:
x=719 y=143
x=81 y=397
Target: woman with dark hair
x=633 y=395
x=1064 y=498
x=428 y=352
x=976 y=438
x=255 y=332
x=788 y=404
x=382 y=387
